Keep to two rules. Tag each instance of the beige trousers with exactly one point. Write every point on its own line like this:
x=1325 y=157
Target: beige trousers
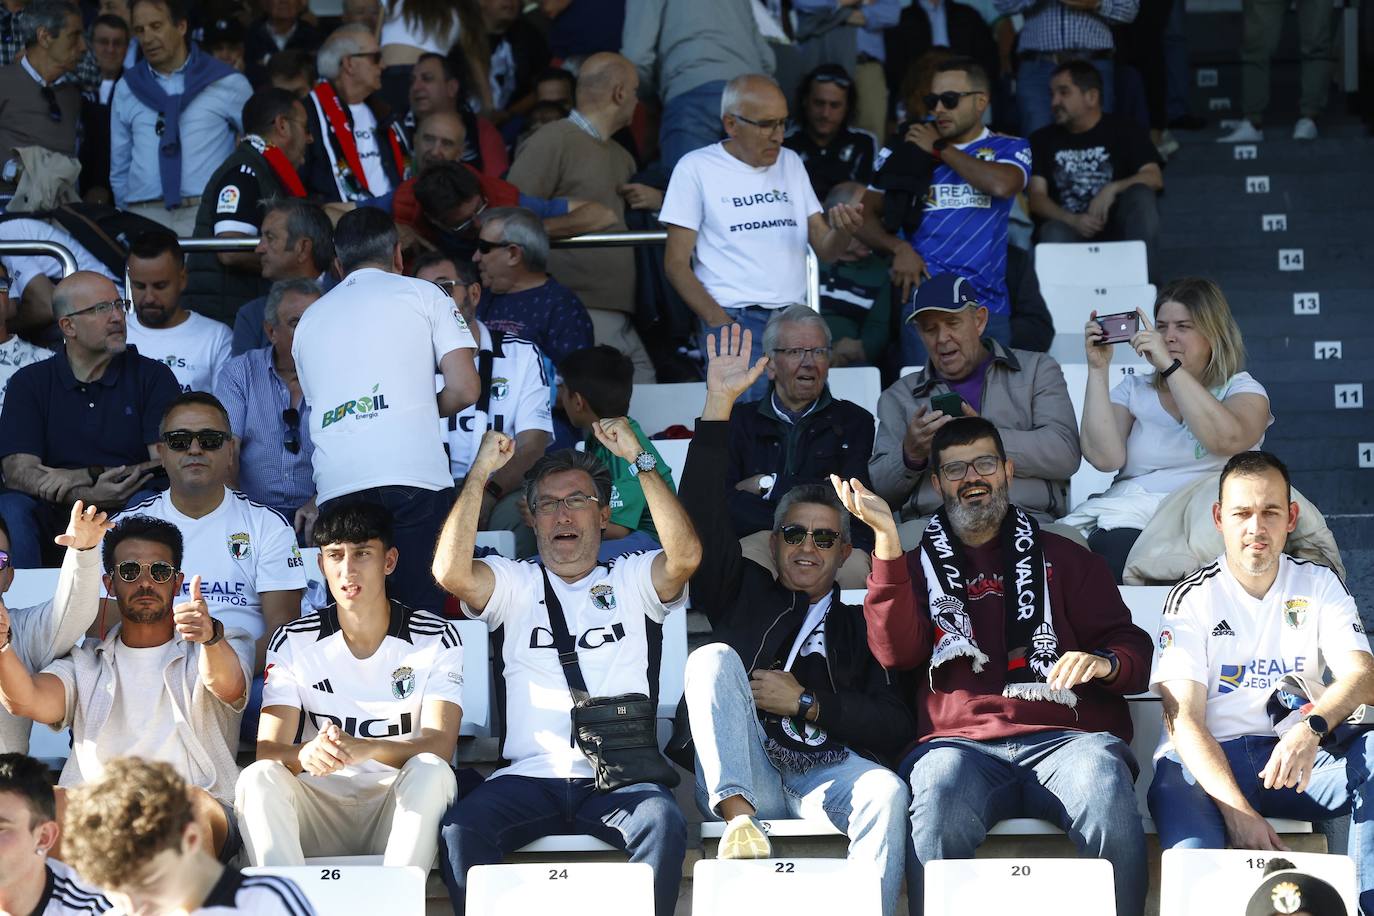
x=871 y=85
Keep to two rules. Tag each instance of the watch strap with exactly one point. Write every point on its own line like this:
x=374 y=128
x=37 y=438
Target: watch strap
x=218 y=626
x=1177 y=365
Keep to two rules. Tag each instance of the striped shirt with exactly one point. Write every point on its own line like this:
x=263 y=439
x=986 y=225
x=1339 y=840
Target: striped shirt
x=64 y=894
x=260 y=895
x=256 y=397
x=1052 y=26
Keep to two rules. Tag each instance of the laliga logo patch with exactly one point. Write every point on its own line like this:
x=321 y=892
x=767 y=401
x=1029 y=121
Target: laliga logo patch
x=228 y=201
x=500 y=387
x=1295 y=612
x=240 y=546
x=603 y=597
x=402 y=682
x=1166 y=638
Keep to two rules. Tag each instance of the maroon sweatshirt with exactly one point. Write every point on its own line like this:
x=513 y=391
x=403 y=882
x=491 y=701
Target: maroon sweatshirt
x=1088 y=615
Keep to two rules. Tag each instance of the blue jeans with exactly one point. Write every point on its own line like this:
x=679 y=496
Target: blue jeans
x=1033 y=91
x=417 y=515
x=1082 y=781
x=691 y=120
x=753 y=318
x=914 y=349
x=503 y=814
x=1342 y=782
x=867 y=801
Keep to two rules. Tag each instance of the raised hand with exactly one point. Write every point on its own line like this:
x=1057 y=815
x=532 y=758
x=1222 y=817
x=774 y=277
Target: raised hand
x=192 y=617
x=728 y=373
x=86 y=527
x=862 y=503
x=1149 y=344
x=495 y=450
x=615 y=433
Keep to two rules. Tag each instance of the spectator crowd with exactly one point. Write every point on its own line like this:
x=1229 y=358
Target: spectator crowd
x=271 y=468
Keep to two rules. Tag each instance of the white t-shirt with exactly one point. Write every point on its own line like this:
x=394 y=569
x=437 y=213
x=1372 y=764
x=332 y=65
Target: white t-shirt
x=195 y=350
x=811 y=637
x=1213 y=632
x=1162 y=454
x=369 y=149
x=68 y=895
x=750 y=224
x=261 y=895
x=240 y=550
x=612 y=612
x=24 y=267
x=15 y=354
x=311 y=668
x=143 y=719
x=397 y=30
x=366 y=354
x=519 y=401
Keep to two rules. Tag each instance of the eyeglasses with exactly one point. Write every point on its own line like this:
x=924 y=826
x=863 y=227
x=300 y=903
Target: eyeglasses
x=130 y=570
x=100 y=308
x=800 y=353
x=843 y=82
x=768 y=127
x=211 y=440
x=574 y=503
x=446 y=285
x=467 y=222
x=54 y=109
x=487 y=247
x=292 y=442
x=950 y=100
x=823 y=538
x=985 y=465
x=4 y=559
x=374 y=56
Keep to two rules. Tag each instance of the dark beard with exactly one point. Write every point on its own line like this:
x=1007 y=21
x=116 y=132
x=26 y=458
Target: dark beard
x=138 y=615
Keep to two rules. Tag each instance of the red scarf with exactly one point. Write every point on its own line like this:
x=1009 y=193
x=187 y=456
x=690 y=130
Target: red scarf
x=343 y=135
x=283 y=169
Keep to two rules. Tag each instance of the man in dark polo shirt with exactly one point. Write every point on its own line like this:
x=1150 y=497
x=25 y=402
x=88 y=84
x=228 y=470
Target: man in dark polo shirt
x=82 y=425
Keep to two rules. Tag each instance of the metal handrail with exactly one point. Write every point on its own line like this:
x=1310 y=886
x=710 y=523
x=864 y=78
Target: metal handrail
x=588 y=240
x=61 y=253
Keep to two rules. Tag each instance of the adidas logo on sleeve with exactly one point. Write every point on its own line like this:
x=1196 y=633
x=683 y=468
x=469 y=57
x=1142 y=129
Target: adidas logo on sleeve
x=1223 y=629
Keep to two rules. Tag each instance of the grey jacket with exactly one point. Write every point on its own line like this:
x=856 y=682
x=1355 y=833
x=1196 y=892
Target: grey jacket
x=678 y=45
x=1024 y=395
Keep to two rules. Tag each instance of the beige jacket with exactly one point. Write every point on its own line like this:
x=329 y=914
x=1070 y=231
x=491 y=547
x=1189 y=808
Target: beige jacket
x=1024 y=395
x=1182 y=536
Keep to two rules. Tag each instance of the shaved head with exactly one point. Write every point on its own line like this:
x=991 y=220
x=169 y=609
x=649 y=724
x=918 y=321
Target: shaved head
x=82 y=289
x=599 y=75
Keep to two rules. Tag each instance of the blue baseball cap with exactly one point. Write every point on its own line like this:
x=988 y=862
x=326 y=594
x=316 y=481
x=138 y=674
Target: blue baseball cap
x=943 y=293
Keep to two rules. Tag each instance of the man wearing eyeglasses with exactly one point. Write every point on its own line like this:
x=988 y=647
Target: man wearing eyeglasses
x=1023 y=654
x=785 y=713
x=35 y=110
x=82 y=425
x=168 y=682
x=741 y=213
x=614 y=611
x=833 y=150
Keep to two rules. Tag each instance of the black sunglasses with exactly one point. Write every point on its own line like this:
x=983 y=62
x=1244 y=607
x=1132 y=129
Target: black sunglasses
x=130 y=570
x=487 y=247
x=950 y=100
x=179 y=440
x=823 y=538
x=292 y=418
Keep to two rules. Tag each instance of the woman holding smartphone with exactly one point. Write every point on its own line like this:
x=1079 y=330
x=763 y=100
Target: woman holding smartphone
x=1164 y=430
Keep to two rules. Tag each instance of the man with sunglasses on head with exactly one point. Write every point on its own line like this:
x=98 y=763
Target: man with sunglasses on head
x=35 y=109
x=82 y=425
x=740 y=214
x=168 y=682
x=831 y=148
x=1023 y=653
x=785 y=713
x=252 y=574
x=949 y=184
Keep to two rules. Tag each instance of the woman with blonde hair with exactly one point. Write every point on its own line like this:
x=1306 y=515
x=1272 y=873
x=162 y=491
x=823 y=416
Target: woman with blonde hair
x=1163 y=430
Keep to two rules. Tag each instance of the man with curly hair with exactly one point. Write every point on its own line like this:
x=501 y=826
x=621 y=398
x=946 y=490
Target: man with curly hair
x=133 y=831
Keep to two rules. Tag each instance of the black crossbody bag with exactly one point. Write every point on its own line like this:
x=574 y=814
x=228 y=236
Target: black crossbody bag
x=618 y=735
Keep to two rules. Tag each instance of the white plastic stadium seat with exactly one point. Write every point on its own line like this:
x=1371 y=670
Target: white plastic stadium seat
x=1027 y=887
x=1088 y=480
x=503 y=542
x=356 y=888
x=798 y=887
x=1071 y=306
x=674 y=454
x=1094 y=264
x=1208 y=882
x=476 y=678
x=657 y=407
x=565 y=888
x=859 y=384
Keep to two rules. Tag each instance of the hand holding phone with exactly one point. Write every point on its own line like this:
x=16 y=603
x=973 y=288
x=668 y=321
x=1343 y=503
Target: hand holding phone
x=950 y=404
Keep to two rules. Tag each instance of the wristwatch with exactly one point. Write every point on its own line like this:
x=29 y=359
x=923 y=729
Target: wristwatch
x=218 y=626
x=804 y=703
x=1317 y=724
x=644 y=461
x=766 y=484
x=1112 y=660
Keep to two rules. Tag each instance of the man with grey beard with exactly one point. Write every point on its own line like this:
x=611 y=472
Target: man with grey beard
x=1250 y=729
x=1026 y=654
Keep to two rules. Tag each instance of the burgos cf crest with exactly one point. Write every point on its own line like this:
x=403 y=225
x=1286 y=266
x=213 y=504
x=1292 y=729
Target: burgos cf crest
x=500 y=387
x=603 y=597
x=1295 y=612
x=402 y=682
x=240 y=546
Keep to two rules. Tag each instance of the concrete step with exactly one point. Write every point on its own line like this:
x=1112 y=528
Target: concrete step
x=1189 y=228
x=1327 y=191
x=1308 y=262
x=1278 y=154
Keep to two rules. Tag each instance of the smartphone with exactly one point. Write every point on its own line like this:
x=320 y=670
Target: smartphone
x=1118 y=328
x=951 y=405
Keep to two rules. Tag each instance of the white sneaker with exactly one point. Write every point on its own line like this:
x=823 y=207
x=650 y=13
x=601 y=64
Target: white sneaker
x=1168 y=145
x=744 y=839
x=1244 y=133
x=1305 y=129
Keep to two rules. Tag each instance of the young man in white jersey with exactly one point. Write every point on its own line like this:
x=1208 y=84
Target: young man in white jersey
x=30 y=881
x=134 y=832
x=361 y=709
x=614 y=611
x=1239 y=745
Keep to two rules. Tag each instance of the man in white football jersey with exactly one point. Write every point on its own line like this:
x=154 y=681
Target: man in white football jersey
x=614 y=610
x=361 y=709
x=133 y=832
x=30 y=881
x=1238 y=744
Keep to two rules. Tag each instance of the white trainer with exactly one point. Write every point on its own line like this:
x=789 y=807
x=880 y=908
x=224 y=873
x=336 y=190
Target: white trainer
x=1305 y=129
x=1245 y=132
x=744 y=839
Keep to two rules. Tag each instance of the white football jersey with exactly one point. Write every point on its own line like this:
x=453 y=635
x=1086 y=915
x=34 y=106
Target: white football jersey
x=65 y=894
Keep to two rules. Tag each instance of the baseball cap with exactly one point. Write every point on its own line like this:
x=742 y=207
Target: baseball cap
x=1291 y=891
x=944 y=293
